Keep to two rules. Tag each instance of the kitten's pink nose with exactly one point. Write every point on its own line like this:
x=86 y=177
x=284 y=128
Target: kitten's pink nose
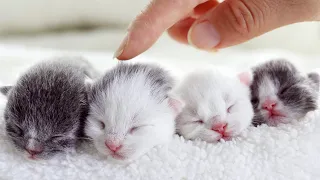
x=113 y=147
x=219 y=127
x=269 y=104
x=33 y=152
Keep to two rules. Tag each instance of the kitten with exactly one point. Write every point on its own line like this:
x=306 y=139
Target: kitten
x=47 y=107
x=280 y=92
x=131 y=111
x=217 y=104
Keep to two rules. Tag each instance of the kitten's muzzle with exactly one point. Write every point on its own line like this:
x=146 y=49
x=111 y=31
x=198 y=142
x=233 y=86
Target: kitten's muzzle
x=112 y=146
x=219 y=127
x=33 y=152
x=34 y=147
x=269 y=105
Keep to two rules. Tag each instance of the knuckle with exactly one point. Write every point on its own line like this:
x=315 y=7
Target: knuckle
x=246 y=17
x=304 y=9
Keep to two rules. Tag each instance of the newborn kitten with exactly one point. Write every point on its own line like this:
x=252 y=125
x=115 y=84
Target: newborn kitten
x=281 y=93
x=217 y=105
x=130 y=111
x=47 y=107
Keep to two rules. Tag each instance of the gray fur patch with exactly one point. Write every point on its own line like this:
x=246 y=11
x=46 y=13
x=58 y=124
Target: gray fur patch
x=49 y=104
x=159 y=80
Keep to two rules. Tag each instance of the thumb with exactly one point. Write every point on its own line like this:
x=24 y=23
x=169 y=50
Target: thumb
x=236 y=21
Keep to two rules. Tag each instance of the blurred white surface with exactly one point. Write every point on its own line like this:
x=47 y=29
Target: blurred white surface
x=109 y=39
x=35 y=15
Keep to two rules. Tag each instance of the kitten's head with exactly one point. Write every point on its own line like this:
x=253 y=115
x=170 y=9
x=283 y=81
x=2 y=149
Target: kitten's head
x=217 y=105
x=131 y=112
x=40 y=130
x=281 y=93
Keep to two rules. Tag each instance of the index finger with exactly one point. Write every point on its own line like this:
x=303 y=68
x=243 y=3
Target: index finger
x=151 y=23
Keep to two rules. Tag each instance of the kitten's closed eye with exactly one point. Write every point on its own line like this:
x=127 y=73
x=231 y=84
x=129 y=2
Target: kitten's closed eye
x=57 y=138
x=284 y=90
x=230 y=108
x=15 y=130
x=61 y=141
x=135 y=128
x=102 y=125
x=198 y=121
x=254 y=100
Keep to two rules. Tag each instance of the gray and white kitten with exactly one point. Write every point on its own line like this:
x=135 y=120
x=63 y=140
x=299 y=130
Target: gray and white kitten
x=46 y=108
x=131 y=111
x=280 y=92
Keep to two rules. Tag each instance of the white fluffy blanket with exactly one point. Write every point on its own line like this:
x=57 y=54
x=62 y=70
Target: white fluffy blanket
x=286 y=152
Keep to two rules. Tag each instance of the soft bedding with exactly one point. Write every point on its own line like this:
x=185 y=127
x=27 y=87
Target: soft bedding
x=290 y=151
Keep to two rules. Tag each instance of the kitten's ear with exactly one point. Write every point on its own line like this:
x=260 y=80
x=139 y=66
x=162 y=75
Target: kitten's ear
x=5 y=90
x=175 y=103
x=245 y=78
x=315 y=78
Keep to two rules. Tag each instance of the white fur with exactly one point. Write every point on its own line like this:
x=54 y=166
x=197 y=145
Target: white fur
x=32 y=133
x=208 y=93
x=126 y=104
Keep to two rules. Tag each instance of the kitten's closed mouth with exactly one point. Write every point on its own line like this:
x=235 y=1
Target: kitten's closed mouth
x=272 y=118
x=117 y=156
x=275 y=115
x=32 y=157
x=226 y=138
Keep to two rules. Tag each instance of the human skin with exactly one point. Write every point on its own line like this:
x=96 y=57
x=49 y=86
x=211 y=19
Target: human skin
x=209 y=25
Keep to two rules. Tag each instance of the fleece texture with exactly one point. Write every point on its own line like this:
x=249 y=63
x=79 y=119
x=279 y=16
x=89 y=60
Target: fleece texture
x=285 y=152
x=290 y=151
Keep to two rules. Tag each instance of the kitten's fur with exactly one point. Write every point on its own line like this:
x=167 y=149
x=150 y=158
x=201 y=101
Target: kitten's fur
x=296 y=94
x=46 y=108
x=130 y=107
x=207 y=94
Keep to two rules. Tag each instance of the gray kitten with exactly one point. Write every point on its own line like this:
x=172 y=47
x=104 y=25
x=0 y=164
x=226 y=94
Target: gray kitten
x=47 y=107
x=280 y=92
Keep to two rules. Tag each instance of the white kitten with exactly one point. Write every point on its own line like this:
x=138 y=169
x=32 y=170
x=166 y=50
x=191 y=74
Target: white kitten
x=130 y=111
x=217 y=104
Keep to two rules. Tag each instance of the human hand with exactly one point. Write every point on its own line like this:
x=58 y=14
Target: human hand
x=210 y=25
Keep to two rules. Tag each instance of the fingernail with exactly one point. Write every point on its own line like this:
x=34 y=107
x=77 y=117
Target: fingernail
x=121 y=47
x=203 y=36
x=214 y=50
